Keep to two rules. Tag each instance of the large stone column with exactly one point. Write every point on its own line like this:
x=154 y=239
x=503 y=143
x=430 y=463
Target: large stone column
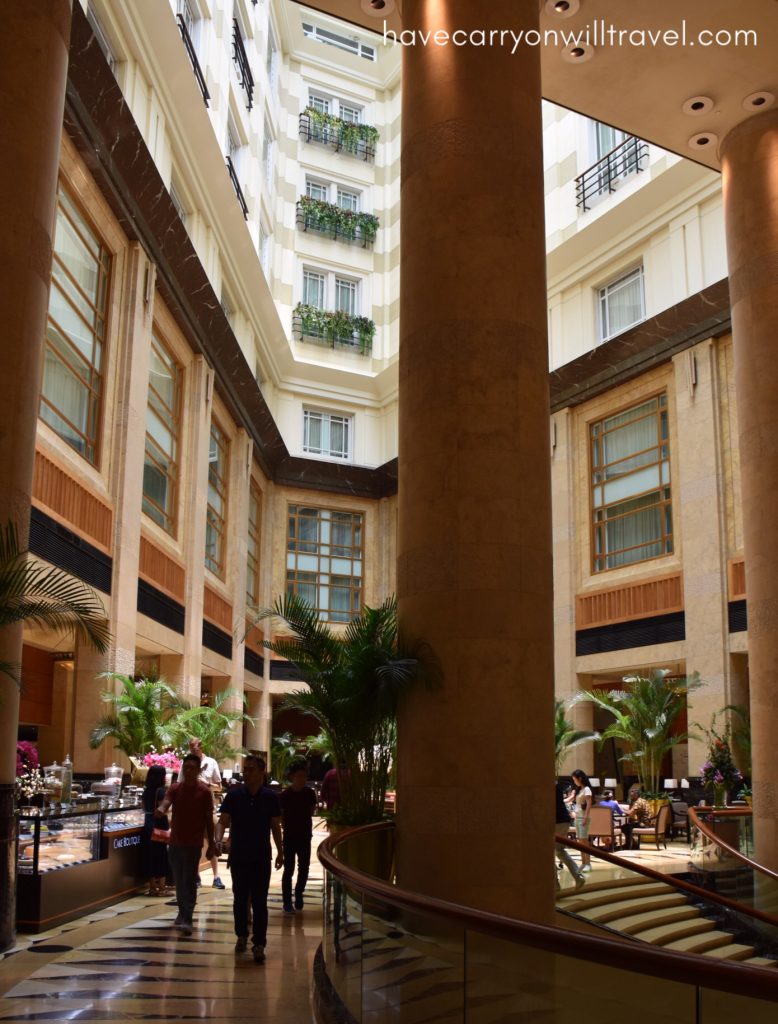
x=474 y=554
x=34 y=39
x=750 y=180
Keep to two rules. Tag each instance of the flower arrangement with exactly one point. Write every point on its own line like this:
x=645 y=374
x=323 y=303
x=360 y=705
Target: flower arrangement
x=30 y=780
x=168 y=759
x=720 y=770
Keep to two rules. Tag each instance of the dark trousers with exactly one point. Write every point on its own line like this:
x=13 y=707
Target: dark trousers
x=299 y=848
x=184 y=861
x=250 y=882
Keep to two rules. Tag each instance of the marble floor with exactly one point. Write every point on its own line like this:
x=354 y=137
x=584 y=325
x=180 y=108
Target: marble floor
x=127 y=963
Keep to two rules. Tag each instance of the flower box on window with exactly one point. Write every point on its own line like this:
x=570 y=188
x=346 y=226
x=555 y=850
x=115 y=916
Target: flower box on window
x=330 y=219
x=335 y=329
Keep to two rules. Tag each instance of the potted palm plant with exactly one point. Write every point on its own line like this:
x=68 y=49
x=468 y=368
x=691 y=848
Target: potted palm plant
x=645 y=713
x=355 y=682
x=566 y=736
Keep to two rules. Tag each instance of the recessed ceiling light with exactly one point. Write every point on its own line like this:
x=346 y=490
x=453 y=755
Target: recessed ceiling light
x=562 y=8
x=697 y=105
x=759 y=101
x=704 y=140
x=378 y=8
x=578 y=54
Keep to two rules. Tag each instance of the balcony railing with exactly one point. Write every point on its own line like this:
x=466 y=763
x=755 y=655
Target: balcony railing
x=334 y=222
x=241 y=59
x=333 y=329
x=626 y=158
x=189 y=47
x=238 y=189
x=357 y=140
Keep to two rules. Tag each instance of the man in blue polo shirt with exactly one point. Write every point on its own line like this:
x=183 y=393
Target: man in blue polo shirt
x=251 y=812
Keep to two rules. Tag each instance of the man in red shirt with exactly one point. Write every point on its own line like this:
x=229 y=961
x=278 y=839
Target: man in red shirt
x=192 y=813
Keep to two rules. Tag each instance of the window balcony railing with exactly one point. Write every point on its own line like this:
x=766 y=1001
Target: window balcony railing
x=350 y=137
x=350 y=226
x=238 y=189
x=333 y=329
x=241 y=59
x=192 y=53
x=626 y=158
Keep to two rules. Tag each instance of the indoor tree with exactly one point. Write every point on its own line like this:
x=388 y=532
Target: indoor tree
x=140 y=716
x=566 y=736
x=644 y=715
x=355 y=683
x=45 y=596
x=214 y=724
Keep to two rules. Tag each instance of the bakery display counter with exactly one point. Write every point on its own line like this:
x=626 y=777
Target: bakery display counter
x=75 y=860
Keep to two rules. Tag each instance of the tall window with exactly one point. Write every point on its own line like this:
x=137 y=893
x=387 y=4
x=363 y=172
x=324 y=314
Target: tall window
x=632 y=511
x=271 y=60
x=316 y=189
x=346 y=296
x=313 y=289
x=216 y=513
x=324 y=555
x=252 y=554
x=75 y=334
x=621 y=304
x=348 y=200
x=268 y=155
x=327 y=434
x=160 y=464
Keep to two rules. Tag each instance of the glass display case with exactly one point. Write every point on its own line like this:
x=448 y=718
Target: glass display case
x=73 y=858
x=50 y=842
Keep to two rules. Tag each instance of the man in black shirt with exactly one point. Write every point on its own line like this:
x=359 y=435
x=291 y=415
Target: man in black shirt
x=251 y=812
x=298 y=802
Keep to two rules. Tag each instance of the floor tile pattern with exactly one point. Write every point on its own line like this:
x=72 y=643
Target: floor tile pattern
x=129 y=964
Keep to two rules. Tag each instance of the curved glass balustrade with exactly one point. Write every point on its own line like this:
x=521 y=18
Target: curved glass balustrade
x=392 y=955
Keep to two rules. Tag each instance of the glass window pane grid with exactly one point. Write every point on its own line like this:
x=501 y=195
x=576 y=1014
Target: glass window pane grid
x=83 y=440
x=606 y=517
x=326 y=434
x=346 y=296
x=609 y=311
x=217 y=502
x=162 y=461
x=336 y=597
x=252 y=578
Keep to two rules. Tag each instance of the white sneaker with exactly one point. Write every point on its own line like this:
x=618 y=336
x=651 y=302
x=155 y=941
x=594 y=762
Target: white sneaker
x=586 y=867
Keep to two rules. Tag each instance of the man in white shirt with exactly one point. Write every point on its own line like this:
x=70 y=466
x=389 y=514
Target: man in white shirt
x=212 y=778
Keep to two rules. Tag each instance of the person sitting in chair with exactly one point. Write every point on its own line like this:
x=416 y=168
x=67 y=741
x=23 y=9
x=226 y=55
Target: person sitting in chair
x=639 y=813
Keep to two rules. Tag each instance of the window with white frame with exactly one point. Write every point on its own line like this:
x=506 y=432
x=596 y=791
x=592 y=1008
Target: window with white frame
x=348 y=199
x=317 y=190
x=271 y=60
x=268 y=155
x=189 y=15
x=103 y=41
x=631 y=499
x=327 y=434
x=621 y=304
x=324 y=560
x=346 y=292
x=178 y=202
x=314 y=289
x=264 y=248
x=234 y=143
x=351 y=44
x=329 y=290
x=328 y=104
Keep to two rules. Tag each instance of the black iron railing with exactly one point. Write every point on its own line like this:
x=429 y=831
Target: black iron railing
x=238 y=189
x=339 y=337
x=192 y=53
x=627 y=158
x=241 y=59
x=341 y=229
x=339 y=136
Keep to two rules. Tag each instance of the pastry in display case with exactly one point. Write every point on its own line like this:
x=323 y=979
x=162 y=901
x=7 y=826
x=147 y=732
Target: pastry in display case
x=51 y=843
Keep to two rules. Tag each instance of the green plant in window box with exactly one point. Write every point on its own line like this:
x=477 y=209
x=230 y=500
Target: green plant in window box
x=331 y=219
x=336 y=326
x=348 y=134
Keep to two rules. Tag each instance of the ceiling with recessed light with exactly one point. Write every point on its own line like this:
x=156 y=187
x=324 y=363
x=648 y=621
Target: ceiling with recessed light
x=685 y=98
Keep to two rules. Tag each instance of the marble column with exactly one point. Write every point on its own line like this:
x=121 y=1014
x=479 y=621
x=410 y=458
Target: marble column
x=474 y=569
x=749 y=157
x=34 y=40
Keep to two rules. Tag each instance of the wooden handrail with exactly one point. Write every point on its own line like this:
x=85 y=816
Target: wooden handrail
x=729 y=812
x=690 y=970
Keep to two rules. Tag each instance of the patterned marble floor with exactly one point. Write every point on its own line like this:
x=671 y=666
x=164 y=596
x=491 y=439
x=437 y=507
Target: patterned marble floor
x=128 y=964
